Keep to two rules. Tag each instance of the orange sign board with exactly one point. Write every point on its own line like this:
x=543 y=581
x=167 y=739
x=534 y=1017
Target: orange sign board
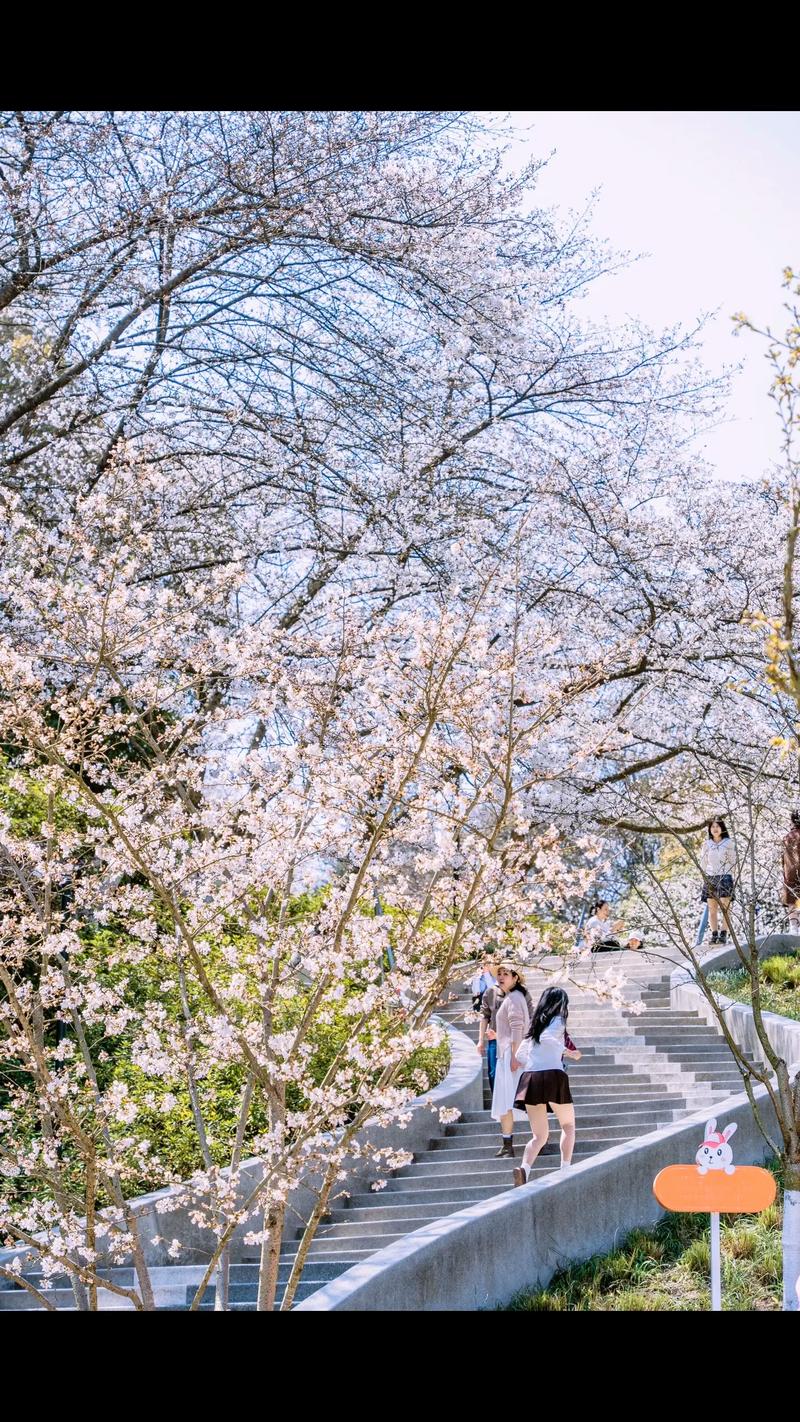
x=746 y=1190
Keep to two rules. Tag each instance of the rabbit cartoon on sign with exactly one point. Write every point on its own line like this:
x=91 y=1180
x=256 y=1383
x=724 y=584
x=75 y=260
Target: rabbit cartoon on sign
x=715 y=1153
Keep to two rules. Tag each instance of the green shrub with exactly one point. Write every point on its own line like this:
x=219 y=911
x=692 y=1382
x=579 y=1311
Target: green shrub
x=769 y=1264
x=771 y=1218
x=698 y=1257
x=742 y=1242
x=783 y=970
x=779 y=984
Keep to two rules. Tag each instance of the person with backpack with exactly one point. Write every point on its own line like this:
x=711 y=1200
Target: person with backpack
x=544 y=1084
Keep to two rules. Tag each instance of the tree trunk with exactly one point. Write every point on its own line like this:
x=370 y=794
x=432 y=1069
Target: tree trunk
x=91 y=1230
x=270 y=1257
x=308 y=1235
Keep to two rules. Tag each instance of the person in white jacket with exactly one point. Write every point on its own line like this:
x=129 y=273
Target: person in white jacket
x=512 y=1022
x=718 y=865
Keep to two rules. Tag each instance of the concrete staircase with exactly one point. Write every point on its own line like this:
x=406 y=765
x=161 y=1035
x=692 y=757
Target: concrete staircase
x=638 y=1072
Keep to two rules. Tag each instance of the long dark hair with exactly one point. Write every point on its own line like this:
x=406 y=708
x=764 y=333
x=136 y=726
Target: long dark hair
x=717 y=821
x=552 y=1003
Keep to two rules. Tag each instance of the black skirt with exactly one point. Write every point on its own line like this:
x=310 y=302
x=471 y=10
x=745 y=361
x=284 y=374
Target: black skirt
x=717 y=886
x=539 y=1088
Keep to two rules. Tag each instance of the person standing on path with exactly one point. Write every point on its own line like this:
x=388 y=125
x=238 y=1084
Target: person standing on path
x=512 y=1023
x=487 y=1025
x=790 y=864
x=544 y=1084
x=718 y=863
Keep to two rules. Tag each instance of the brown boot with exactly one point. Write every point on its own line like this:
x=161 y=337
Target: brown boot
x=520 y=1175
x=506 y=1149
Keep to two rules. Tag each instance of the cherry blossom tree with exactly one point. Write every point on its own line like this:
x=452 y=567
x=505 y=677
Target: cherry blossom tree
x=755 y=799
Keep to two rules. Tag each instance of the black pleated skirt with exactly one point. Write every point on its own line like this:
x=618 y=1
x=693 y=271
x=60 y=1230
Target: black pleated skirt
x=539 y=1088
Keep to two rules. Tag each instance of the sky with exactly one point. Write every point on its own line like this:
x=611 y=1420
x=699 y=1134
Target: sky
x=714 y=199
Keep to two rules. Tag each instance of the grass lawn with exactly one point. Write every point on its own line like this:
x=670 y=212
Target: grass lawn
x=668 y=1268
x=779 y=979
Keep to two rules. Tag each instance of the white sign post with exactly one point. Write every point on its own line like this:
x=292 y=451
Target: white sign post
x=716 y=1266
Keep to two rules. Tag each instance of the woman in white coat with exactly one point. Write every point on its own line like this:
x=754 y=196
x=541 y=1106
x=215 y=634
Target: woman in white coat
x=513 y=1021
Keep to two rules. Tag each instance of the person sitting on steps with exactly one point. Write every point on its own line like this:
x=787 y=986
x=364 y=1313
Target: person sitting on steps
x=599 y=930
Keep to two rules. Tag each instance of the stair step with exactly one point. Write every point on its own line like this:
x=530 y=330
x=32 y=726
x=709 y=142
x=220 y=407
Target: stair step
x=126 y=1278
x=470 y=1172
x=590 y=1141
x=381 y=1231
x=243 y=1298
x=248 y=1273
x=397 y=1207
x=365 y=1243
x=604 y=1110
x=617 y=1110
x=485 y=1146
x=673 y=1051
x=20 y=1299
x=437 y=1199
